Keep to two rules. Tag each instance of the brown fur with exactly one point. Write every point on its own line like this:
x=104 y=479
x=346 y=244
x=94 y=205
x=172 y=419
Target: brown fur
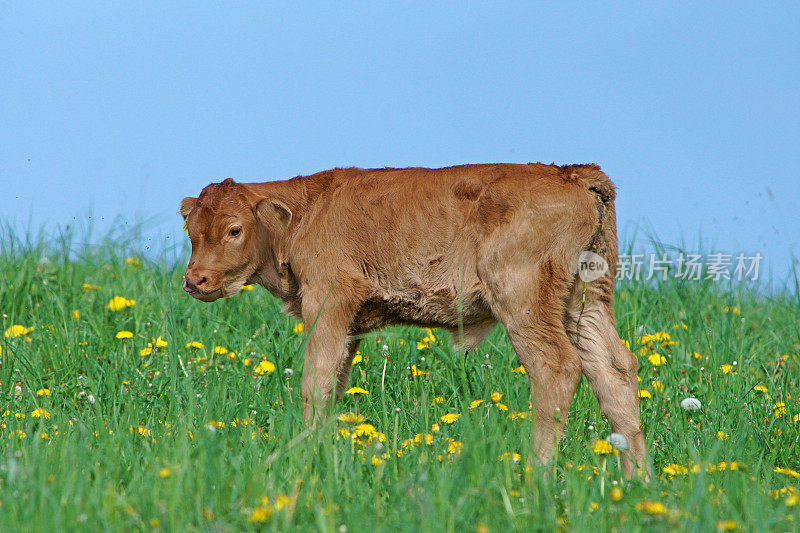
x=350 y=250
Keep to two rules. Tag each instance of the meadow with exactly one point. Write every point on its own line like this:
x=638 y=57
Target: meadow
x=127 y=405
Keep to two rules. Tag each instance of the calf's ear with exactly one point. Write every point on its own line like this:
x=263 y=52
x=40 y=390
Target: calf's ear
x=274 y=212
x=186 y=205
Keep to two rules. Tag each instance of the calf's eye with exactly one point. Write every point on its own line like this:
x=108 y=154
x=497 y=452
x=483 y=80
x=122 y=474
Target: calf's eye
x=235 y=231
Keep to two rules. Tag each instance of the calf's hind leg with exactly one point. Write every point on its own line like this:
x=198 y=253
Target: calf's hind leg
x=529 y=301
x=611 y=369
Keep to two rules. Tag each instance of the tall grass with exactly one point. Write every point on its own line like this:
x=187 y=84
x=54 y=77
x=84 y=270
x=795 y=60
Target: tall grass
x=186 y=438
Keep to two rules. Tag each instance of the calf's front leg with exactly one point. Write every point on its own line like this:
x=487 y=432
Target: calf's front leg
x=327 y=352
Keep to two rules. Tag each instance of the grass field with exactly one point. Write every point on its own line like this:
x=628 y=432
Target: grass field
x=100 y=432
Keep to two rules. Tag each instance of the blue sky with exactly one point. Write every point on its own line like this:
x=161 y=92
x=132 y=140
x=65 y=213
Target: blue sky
x=693 y=110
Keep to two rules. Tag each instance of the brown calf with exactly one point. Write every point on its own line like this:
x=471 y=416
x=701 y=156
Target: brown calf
x=459 y=248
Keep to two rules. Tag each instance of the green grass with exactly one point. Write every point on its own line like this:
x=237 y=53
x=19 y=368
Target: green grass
x=141 y=456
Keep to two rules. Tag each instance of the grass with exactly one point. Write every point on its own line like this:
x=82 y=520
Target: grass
x=185 y=438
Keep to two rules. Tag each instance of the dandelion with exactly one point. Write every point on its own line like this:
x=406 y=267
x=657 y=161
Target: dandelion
x=602 y=447
x=696 y=355
x=779 y=409
x=732 y=309
x=118 y=303
x=475 y=403
x=357 y=358
x=518 y=370
x=247 y=288
x=501 y=406
x=195 y=345
x=298 y=328
x=657 y=385
x=455 y=446
x=17 y=331
x=786 y=471
x=618 y=441
x=651 y=508
x=145 y=351
x=351 y=418
x=721 y=435
x=43 y=392
x=76 y=315
x=87 y=287
x=691 y=404
x=645 y=394
x=264 y=367
x=675 y=469
x=615 y=494
x=260 y=514
x=449 y=418
x=124 y=334
x=220 y=350
x=496 y=396
x=352 y=391
x=726 y=369
x=164 y=473
x=159 y=343
x=434 y=428
x=657 y=359
x=416 y=372
x=133 y=261
x=39 y=412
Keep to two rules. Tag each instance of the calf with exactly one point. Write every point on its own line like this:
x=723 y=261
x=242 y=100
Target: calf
x=460 y=248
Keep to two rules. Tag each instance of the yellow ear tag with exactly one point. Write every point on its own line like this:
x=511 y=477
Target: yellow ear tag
x=185 y=227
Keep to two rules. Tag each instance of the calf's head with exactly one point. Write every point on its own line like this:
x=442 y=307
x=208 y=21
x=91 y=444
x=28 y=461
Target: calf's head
x=232 y=231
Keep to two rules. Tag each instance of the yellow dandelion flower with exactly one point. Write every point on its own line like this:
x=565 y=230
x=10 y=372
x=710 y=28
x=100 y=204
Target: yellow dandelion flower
x=89 y=287
x=732 y=309
x=260 y=514
x=728 y=525
x=501 y=406
x=40 y=412
x=417 y=372
x=17 y=331
x=434 y=428
x=264 y=367
x=651 y=508
x=438 y=400
x=118 y=303
x=247 y=288
x=160 y=343
x=615 y=494
x=145 y=351
x=43 y=392
x=517 y=415
x=496 y=396
x=511 y=455
x=779 y=409
x=76 y=315
x=449 y=418
x=786 y=471
x=164 y=472
x=282 y=501
x=645 y=394
x=357 y=358
x=124 y=334
x=377 y=461
x=696 y=355
x=762 y=389
x=133 y=261
x=352 y=391
x=657 y=385
x=220 y=350
x=298 y=328
x=721 y=435
x=675 y=469
x=797 y=417
x=656 y=359
x=518 y=370
x=475 y=403
x=603 y=447
x=351 y=418
x=680 y=325
x=216 y=424
x=726 y=369
x=455 y=446
x=659 y=336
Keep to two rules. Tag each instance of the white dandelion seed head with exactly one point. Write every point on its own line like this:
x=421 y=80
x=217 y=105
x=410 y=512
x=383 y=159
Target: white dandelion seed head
x=691 y=404
x=91 y=398
x=288 y=371
x=618 y=441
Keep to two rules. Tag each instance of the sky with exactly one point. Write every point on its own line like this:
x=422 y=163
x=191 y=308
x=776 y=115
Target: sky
x=119 y=110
